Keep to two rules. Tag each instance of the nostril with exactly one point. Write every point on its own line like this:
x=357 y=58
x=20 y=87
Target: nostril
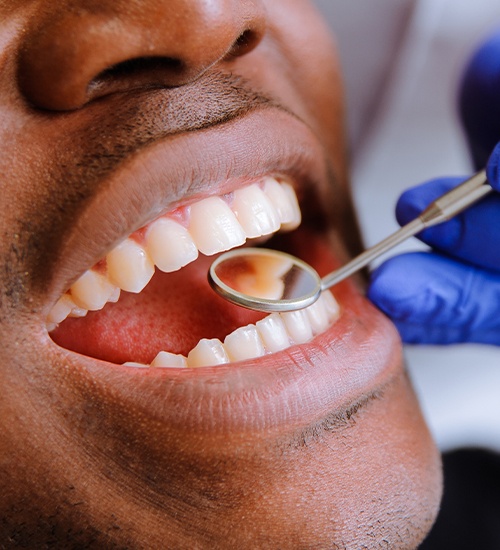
x=141 y=65
x=245 y=42
x=155 y=71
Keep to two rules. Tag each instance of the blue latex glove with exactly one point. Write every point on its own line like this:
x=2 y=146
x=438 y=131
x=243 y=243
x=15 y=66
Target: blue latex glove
x=452 y=294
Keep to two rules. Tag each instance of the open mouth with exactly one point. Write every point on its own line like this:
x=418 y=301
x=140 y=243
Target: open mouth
x=147 y=302
x=131 y=289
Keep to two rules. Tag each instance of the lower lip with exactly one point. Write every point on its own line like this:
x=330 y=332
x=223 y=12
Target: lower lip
x=301 y=386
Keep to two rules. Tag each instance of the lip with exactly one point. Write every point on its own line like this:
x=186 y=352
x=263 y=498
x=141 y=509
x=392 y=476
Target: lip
x=301 y=386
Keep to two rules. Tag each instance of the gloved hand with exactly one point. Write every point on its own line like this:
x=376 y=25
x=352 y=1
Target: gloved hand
x=452 y=294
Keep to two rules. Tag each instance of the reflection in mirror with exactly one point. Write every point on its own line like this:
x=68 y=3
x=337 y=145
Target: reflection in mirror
x=261 y=274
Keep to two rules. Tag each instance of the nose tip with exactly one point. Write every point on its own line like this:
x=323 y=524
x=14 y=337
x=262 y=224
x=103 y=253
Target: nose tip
x=72 y=56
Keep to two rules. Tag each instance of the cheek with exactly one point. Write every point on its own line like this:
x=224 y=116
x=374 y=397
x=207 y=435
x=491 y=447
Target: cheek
x=310 y=56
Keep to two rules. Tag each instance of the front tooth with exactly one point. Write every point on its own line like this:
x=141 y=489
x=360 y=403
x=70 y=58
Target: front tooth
x=298 y=326
x=284 y=199
x=244 y=343
x=129 y=266
x=255 y=212
x=91 y=291
x=164 y=359
x=169 y=245
x=61 y=309
x=214 y=227
x=273 y=333
x=207 y=353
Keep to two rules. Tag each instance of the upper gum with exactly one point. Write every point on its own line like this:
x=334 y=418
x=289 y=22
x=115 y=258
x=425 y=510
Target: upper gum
x=181 y=214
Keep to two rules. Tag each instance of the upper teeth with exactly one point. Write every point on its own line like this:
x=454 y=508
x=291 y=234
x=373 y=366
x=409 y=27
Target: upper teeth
x=209 y=226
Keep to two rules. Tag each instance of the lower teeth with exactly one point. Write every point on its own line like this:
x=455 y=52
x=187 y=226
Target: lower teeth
x=274 y=333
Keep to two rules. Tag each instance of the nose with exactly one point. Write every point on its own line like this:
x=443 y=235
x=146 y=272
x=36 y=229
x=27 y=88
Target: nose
x=80 y=50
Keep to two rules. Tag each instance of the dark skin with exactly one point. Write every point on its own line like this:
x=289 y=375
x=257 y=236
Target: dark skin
x=112 y=113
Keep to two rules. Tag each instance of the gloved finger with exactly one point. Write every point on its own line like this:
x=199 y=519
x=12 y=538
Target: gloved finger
x=480 y=100
x=493 y=168
x=433 y=299
x=472 y=236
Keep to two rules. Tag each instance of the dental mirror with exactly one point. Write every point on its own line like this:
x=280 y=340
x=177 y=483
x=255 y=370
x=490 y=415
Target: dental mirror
x=272 y=281
x=264 y=280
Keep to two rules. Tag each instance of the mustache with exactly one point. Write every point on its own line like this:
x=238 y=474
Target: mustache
x=154 y=114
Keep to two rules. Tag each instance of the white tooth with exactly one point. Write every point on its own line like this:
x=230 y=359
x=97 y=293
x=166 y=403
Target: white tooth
x=135 y=365
x=92 y=291
x=298 y=326
x=51 y=326
x=317 y=316
x=273 y=333
x=214 y=227
x=244 y=343
x=207 y=353
x=294 y=205
x=284 y=199
x=61 y=309
x=331 y=306
x=263 y=277
x=115 y=296
x=255 y=212
x=129 y=266
x=169 y=245
x=256 y=285
x=78 y=312
x=165 y=360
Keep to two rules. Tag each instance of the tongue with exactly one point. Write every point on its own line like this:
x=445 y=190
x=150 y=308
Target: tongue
x=172 y=314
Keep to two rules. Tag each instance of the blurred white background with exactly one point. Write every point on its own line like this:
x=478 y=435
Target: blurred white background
x=402 y=61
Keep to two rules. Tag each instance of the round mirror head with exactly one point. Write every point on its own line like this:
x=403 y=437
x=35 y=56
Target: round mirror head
x=264 y=280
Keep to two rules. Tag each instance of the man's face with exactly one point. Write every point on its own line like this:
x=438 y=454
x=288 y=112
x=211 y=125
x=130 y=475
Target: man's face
x=147 y=132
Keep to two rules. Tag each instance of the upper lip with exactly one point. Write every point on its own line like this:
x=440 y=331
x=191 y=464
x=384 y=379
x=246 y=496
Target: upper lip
x=181 y=169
